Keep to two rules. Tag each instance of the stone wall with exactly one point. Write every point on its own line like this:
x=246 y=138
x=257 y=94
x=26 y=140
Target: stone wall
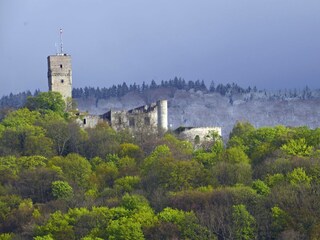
x=196 y=135
x=88 y=121
x=152 y=117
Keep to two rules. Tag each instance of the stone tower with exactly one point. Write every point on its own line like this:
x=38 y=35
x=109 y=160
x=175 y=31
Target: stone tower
x=60 y=73
x=162 y=106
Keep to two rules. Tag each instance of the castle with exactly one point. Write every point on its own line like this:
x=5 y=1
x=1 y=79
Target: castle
x=152 y=117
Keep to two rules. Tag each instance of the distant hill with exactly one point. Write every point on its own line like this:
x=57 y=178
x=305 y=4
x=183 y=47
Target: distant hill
x=192 y=103
x=198 y=108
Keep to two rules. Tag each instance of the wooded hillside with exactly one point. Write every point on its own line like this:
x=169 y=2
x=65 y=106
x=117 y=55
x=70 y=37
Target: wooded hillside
x=58 y=181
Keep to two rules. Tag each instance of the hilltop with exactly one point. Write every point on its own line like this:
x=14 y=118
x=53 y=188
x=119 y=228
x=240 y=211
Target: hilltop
x=205 y=108
x=192 y=103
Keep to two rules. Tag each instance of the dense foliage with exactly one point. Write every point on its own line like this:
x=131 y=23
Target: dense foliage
x=58 y=181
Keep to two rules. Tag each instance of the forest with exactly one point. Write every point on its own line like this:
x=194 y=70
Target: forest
x=229 y=89
x=59 y=181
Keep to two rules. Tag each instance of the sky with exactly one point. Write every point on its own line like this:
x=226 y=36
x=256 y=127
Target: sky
x=271 y=44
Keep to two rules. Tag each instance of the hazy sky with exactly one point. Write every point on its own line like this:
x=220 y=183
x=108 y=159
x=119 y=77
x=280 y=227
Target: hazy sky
x=265 y=43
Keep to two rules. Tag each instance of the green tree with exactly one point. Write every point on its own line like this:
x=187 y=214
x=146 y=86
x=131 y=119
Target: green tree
x=279 y=220
x=105 y=174
x=260 y=187
x=21 y=136
x=184 y=175
x=20 y=118
x=241 y=129
x=47 y=101
x=236 y=155
x=127 y=183
x=127 y=166
x=6 y=236
x=125 y=229
x=243 y=223
x=225 y=173
x=57 y=129
x=159 y=168
x=57 y=226
x=181 y=150
x=297 y=147
x=299 y=176
x=76 y=168
x=36 y=184
x=101 y=141
x=61 y=190
x=130 y=150
x=186 y=222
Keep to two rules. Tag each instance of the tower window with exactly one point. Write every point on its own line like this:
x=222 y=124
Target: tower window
x=84 y=121
x=62 y=81
x=60 y=65
x=147 y=121
x=131 y=122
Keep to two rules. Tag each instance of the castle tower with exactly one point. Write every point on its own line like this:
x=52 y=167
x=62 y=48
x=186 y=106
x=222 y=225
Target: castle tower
x=162 y=107
x=60 y=73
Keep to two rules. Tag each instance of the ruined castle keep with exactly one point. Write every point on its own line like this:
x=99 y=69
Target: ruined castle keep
x=152 y=117
x=60 y=75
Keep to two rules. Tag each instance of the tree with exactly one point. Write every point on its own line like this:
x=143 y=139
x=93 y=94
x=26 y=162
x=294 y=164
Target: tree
x=260 y=187
x=61 y=190
x=58 y=130
x=101 y=141
x=236 y=155
x=125 y=229
x=126 y=184
x=57 y=226
x=20 y=118
x=297 y=147
x=279 y=220
x=243 y=223
x=36 y=184
x=181 y=150
x=6 y=236
x=156 y=168
x=76 y=168
x=105 y=174
x=224 y=173
x=241 y=130
x=21 y=136
x=127 y=166
x=184 y=175
x=299 y=176
x=130 y=150
x=47 y=101
x=186 y=222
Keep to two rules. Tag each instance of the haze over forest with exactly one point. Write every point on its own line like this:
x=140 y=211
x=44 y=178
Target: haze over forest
x=222 y=105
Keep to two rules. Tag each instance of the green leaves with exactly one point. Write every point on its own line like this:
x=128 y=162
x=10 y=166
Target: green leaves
x=299 y=176
x=297 y=147
x=61 y=190
x=76 y=168
x=46 y=102
x=244 y=223
x=125 y=229
x=261 y=187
